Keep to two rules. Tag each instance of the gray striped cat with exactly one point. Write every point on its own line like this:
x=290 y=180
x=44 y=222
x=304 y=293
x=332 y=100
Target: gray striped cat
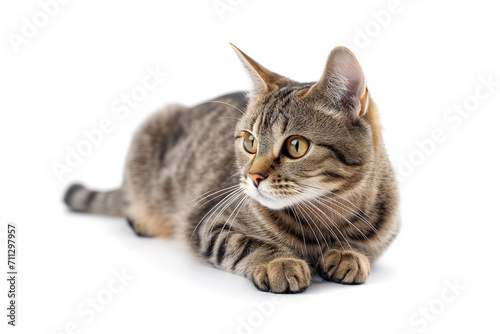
x=272 y=185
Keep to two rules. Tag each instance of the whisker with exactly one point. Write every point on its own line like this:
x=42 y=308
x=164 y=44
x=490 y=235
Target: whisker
x=345 y=199
x=325 y=204
x=333 y=201
x=370 y=176
x=328 y=227
x=227 y=200
x=245 y=96
x=344 y=218
x=301 y=229
x=314 y=233
x=206 y=192
x=229 y=104
x=345 y=207
x=247 y=200
x=221 y=211
x=361 y=218
x=212 y=194
x=236 y=118
x=210 y=200
x=212 y=209
x=229 y=218
x=373 y=228
x=322 y=201
x=322 y=221
x=296 y=220
x=233 y=175
x=241 y=204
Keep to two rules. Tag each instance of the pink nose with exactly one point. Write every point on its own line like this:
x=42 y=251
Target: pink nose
x=256 y=177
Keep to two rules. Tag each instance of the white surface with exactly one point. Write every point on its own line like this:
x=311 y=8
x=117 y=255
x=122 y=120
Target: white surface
x=428 y=58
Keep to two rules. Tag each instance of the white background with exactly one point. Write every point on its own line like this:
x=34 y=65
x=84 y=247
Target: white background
x=430 y=57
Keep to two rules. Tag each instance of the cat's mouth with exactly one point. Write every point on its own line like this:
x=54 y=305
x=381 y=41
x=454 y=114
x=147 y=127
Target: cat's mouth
x=267 y=199
x=265 y=195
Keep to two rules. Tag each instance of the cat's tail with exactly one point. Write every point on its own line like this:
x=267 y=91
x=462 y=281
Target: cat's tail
x=80 y=199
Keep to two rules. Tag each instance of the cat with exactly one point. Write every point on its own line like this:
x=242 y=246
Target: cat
x=272 y=185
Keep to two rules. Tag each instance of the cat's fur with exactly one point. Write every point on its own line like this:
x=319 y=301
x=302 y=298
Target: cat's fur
x=334 y=210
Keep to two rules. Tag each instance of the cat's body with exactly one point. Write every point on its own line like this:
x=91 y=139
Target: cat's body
x=270 y=215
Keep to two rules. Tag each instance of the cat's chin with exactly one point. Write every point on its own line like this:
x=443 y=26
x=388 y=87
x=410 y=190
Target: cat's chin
x=268 y=201
x=271 y=203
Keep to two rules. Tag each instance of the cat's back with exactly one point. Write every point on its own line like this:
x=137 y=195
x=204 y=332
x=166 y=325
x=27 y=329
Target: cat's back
x=205 y=131
x=190 y=129
x=179 y=152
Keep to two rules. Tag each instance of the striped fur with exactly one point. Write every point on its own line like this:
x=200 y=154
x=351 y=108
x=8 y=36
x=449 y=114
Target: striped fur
x=333 y=211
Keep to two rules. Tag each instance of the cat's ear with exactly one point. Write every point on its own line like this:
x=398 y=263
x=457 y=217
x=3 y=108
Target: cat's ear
x=343 y=83
x=263 y=79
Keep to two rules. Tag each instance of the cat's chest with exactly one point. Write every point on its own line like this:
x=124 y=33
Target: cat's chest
x=303 y=236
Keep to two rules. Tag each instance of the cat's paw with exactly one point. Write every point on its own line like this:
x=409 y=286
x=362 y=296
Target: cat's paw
x=282 y=275
x=346 y=267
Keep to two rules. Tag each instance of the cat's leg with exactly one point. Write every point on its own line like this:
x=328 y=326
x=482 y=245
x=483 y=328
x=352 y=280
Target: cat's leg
x=146 y=224
x=271 y=268
x=343 y=266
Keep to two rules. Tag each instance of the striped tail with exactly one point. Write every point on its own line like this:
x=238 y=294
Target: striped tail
x=80 y=199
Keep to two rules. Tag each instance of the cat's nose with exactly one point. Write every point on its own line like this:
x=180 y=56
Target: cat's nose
x=256 y=177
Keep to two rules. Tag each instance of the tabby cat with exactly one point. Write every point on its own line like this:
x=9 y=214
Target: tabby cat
x=272 y=185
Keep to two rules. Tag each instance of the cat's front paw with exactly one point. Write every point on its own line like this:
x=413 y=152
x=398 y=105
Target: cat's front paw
x=346 y=267
x=282 y=275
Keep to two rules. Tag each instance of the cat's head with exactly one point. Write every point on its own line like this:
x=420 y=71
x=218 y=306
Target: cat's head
x=297 y=141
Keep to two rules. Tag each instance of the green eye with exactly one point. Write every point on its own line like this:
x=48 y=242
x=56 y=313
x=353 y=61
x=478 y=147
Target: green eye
x=297 y=146
x=250 y=143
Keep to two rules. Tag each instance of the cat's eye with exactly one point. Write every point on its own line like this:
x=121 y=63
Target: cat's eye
x=297 y=146
x=250 y=143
